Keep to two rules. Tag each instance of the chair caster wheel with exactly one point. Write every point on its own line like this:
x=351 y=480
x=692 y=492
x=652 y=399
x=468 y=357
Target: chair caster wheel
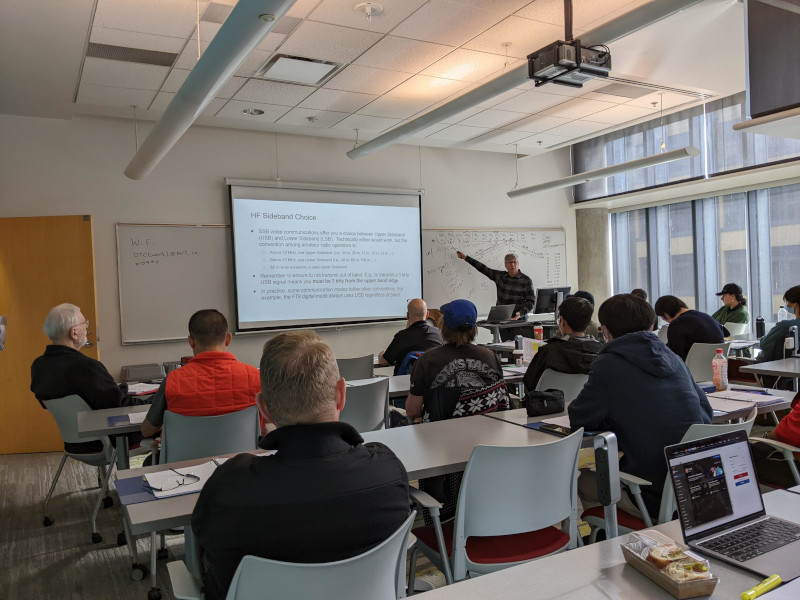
x=138 y=572
x=154 y=594
x=162 y=554
x=107 y=502
x=121 y=539
x=96 y=538
x=48 y=522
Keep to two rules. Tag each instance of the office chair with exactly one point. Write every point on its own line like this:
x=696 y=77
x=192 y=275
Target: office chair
x=366 y=405
x=538 y=485
x=627 y=523
x=378 y=574
x=699 y=359
x=360 y=367
x=737 y=329
x=569 y=383
x=65 y=411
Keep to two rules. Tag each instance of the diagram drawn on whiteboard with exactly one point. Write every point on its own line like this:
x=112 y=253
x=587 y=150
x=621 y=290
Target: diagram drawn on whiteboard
x=542 y=256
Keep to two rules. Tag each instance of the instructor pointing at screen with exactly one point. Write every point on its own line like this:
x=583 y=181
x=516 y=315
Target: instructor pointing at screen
x=513 y=286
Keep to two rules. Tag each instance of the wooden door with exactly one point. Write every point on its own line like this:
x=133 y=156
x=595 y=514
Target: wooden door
x=44 y=261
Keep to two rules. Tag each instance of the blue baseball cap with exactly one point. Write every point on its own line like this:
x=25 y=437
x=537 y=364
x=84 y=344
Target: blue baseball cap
x=460 y=315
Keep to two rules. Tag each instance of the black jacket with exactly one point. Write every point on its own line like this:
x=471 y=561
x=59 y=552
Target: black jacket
x=639 y=389
x=324 y=496
x=571 y=355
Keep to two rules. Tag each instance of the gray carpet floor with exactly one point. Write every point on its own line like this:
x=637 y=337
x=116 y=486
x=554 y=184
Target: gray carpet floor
x=60 y=562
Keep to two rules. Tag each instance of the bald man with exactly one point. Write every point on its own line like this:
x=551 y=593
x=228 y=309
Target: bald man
x=419 y=335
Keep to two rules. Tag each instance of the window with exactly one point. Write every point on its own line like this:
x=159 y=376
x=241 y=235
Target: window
x=691 y=249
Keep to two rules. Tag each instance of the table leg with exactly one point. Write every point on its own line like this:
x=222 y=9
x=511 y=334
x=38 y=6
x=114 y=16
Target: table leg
x=123 y=452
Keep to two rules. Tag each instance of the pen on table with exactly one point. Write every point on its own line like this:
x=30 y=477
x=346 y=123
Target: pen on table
x=769 y=583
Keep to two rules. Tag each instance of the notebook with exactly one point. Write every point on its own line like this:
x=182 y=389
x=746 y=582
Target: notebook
x=721 y=510
x=499 y=314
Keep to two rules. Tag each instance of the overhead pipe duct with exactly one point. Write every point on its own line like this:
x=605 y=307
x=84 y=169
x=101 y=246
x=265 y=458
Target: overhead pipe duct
x=639 y=163
x=626 y=24
x=249 y=23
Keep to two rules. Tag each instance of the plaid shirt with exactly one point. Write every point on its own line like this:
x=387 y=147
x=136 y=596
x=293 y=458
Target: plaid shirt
x=510 y=290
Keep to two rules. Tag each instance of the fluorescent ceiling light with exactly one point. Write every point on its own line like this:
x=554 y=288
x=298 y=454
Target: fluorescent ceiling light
x=638 y=18
x=249 y=22
x=639 y=163
x=294 y=69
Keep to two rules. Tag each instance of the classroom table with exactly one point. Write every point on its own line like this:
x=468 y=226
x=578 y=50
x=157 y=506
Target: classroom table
x=599 y=572
x=787 y=367
x=94 y=423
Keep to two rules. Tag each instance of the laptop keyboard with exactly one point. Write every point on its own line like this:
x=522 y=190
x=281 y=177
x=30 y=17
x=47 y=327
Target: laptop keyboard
x=753 y=540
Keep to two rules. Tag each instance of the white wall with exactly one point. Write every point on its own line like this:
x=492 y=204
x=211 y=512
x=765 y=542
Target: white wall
x=54 y=167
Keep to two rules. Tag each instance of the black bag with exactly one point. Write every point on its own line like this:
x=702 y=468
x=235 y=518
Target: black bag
x=544 y=403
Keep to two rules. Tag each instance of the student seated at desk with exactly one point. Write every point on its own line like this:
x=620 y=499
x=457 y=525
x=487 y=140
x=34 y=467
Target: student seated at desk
x=572 y=352
x=323 y=496
x=686 y=326
x=733 y=305
x=772 y=344
x=212 y=383
x=419 y=335
x=643 y=392
x=63 y=371
x=771 y=465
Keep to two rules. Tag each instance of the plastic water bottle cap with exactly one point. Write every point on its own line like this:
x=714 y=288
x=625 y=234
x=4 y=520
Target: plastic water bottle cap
x=719 y=350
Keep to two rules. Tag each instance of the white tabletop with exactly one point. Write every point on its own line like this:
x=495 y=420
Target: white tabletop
x=788 y=367
x=599 y=571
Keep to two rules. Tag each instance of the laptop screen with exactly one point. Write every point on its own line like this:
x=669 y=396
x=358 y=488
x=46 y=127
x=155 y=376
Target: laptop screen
x=714 y=481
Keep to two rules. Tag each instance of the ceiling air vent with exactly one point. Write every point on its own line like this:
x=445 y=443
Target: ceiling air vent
x=296 y=69
x=135 y=55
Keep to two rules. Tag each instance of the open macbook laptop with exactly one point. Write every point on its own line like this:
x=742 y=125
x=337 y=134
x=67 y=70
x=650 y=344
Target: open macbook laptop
x=721 y=509
x=499 y=315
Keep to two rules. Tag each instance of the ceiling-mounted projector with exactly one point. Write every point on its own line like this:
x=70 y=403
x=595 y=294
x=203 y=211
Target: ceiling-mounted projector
x=568 y=63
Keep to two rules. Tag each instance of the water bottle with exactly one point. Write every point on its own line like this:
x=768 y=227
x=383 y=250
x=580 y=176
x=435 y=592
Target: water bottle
x=761 y=329
x=720 y=368
x=783 y=314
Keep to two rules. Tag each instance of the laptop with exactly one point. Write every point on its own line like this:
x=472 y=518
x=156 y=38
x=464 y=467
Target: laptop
x=499 y=315
x=721 y=509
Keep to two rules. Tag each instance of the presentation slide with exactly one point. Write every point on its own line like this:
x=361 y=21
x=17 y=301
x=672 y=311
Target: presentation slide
x=306 y=263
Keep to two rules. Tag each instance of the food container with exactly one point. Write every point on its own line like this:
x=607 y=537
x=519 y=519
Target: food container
x=638 y=547
x=538 y=332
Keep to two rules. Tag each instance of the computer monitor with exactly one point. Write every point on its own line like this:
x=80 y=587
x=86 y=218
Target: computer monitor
x=549 y=299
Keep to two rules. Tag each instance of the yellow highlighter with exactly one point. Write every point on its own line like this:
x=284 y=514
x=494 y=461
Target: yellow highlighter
x=769 y=583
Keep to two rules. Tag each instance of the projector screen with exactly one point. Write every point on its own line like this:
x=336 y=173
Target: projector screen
x=314 y=257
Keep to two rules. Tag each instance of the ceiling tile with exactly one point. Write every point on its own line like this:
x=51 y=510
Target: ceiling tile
x=621 y=113
x=336 y=100
x=491 y=118
x=156 y=17
x=301 y=8
x=130 y=39
x=447 y=22
x=671 y=100
x=402 y=54
x=328 y=42
x=504 y=6
x=458 y=133
x=577 y=108
x=393 y=107
x=340 y=12
x=116 y=73
x=531 y=102
x=163 y=99
x=271 y=42
x=114 y=96
x=576 y=129
x=322 y=119
x=547 y=141
x=208 y=31
x=366 y=80
x=466 y=65
x=525 y=36
x=233 y=110
x=254 y=61
x=175 y=80
x=535 y=124
x=233 y=85
x=500 y=136
x=592 y=14
x=272 y=92
x=429 y=130
x=213 y=107
x=548 y=11
x=412 y=96
x=499 y=99
x=605 y=98
x=464 y=114
x=366 y=123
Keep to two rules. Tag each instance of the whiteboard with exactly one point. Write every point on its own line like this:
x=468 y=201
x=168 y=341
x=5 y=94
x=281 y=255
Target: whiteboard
x=167 y=273
x=445 y=277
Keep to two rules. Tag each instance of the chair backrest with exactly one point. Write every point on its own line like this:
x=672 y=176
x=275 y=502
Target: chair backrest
x=662 y=333
x=185 y=438
x=699 y=359
x=737 y=328
x=569 y=383
x=696 y=432
x=360 y=367
x=65 y=412
x=538 y=485
x=366 y=405
x=408 y=362
x=378 y=574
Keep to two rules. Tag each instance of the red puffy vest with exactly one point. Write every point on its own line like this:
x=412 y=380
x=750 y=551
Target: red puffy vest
x=212 y=383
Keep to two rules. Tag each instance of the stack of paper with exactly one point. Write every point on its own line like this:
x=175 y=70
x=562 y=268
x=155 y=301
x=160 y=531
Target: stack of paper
x=758 y=397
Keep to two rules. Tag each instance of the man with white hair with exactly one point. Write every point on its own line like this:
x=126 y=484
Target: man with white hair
x=63 y=370
x=513 y=286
